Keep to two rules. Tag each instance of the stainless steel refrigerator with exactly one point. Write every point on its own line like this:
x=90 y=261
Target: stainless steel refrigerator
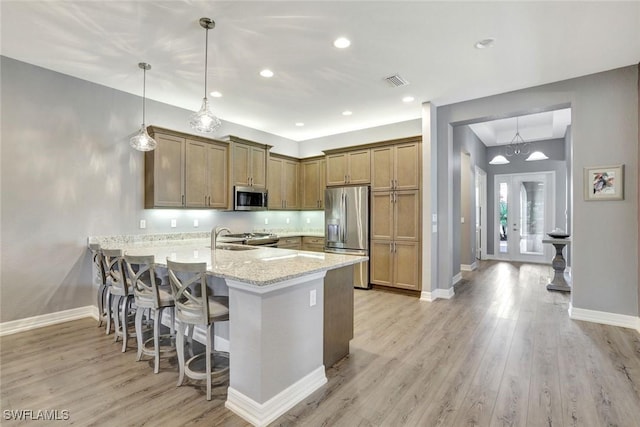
x=346 y=218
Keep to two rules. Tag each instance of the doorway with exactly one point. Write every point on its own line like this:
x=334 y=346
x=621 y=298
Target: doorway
x=524 y=211
x=481 y=213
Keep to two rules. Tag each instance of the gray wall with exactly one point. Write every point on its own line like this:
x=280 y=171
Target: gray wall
x=70 y=174
x=604 y=111
x=555 y=150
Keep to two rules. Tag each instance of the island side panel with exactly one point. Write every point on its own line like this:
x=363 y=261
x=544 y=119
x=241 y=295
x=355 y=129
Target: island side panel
x=338 y=314
x=275 y=337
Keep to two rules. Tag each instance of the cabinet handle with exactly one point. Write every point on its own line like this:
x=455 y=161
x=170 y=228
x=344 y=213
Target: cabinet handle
x=209 y=200
x=394 y=247
x=285 y=203
x=183 y=200
x=390 y=247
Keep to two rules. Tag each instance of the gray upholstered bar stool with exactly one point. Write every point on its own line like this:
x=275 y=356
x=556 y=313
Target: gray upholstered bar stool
x=153 y=298
x=196 y=305
x=121 y=294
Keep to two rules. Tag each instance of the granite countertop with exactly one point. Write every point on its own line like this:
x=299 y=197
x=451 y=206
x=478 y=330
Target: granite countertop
x=259 y=266
x=299 y=233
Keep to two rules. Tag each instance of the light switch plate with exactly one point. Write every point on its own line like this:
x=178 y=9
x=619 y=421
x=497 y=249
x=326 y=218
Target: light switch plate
x=143 y=223
x=195 y=223
x=312 y=297
x=174 y=223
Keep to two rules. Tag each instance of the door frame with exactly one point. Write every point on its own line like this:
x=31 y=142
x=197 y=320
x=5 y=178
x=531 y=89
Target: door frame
x=481 y=205
x=550 y=217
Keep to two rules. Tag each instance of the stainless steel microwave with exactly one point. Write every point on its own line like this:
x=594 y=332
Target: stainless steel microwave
x=249 y=199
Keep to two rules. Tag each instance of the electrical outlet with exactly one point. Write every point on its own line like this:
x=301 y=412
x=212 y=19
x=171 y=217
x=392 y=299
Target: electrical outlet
x=287 y=220
x=312 y=297
x=462 y=220
x=143 y=223
x=195 y=253
x=308 y=220
x=195 y=223
x=266 y=221
x=174 y=223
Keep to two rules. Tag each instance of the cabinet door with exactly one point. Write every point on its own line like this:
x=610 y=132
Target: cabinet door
x=382 y=168
x=168 y=171
x=290 y=180
x=241 y=165
x=382 y=215
x=258 y=167
x=310 y=174
x=196 y=189
x=336 y=169
x=274 y=183
x=406 y=268
x=322 y=181
x=217 y=176
x=407 y=166
x=381 y=262
x=359 y=165
x=406 y=214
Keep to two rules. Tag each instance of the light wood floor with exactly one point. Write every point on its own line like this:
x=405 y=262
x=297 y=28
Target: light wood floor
x=502 y=352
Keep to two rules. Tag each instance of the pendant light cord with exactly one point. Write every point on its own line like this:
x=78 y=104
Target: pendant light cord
x=144 y=92
x=206 y=58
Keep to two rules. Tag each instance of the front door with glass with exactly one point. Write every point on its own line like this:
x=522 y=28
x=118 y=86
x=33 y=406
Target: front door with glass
x=523 y=213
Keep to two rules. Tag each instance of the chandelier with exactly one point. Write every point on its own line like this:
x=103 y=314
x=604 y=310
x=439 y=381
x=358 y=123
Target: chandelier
x=517 y=146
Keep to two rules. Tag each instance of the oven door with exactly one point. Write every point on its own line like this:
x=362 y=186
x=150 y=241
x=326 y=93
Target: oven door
x=249 y=199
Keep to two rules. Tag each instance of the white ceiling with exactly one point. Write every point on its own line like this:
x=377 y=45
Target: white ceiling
x=532 y=127
x=430 y=44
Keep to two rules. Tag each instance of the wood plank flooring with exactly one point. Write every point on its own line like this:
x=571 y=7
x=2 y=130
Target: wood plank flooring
x=502 y=352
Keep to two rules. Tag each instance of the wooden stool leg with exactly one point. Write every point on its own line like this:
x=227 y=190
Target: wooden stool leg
x=115 y=311
x=156 y=339
x=125 y=323
x=180 y=351
x=109 y=311
x=138 y=322
x=209 y=355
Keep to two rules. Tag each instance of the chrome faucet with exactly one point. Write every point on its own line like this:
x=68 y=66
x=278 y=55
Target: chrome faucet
x=215 y=233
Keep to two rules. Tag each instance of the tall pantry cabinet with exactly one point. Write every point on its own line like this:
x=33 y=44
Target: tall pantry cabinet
x=395 y=214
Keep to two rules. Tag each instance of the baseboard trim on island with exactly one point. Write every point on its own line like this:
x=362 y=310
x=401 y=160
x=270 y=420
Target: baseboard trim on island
x=261 y=414
x=35 y=322
x=604 y=318
x=436 y=294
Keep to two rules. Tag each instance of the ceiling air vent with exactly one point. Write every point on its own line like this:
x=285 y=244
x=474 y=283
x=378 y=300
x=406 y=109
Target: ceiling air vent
x=396 y=80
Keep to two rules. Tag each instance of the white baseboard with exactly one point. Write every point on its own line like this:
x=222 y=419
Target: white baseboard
x=261 y=414
x=456 y=279
x=604 y=318
x=469 y=267
x=29 y=323
x=438 y=293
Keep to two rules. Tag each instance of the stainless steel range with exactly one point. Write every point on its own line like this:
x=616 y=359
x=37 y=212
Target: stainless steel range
x=255 y=239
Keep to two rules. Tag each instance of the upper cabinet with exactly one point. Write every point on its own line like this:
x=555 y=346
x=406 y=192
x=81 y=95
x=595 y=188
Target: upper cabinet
x=396 y=167
x=312 y=175
x=249 y=165
x=283 y=182
x=186 y=171
x=351 y=167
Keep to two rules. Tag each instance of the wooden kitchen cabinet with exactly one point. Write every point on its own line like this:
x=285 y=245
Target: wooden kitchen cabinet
x=313 y=244
x=352 y=167
x=249 y=163
x=395 y=215
x=293 y=242
x=396 y=167
x=206 y=174
x=312 y=174
x=164 y=172
x=283 y=182
x=395 y=264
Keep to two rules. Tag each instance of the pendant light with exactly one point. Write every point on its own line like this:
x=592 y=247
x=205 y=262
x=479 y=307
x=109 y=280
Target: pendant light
x=142 y=141
x=204 y=120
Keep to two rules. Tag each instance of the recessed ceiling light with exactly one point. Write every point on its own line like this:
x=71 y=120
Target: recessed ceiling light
x=347 y=113
x=342 y=42
x=266 y=73
x=485 y=43
x=299 y=124
x=408 y=99
x=216 y=94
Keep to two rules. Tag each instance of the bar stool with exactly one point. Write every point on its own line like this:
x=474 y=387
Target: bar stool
x=121 y=295
x=111 y=271
x=98 y=262
x=150 y=297
x=196 y=305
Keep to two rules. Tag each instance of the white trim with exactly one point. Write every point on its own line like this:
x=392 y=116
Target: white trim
x=467 y=267
x=261 y=414
x=436 y=294
x=456 y=279
x=604 y=318
x=29 y=323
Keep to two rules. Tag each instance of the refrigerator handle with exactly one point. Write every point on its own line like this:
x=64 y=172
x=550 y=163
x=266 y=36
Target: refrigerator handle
x=343 y=217
x=344 y=229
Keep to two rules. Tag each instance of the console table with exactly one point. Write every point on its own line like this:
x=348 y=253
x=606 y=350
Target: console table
x=559 y=282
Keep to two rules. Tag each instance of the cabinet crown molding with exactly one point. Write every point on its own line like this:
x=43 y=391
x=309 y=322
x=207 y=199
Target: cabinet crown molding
x=417 y=138
x=233 y=138
x=153 y=130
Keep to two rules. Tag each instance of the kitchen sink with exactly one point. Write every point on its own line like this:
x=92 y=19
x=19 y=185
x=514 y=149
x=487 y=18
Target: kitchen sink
x=236 y=247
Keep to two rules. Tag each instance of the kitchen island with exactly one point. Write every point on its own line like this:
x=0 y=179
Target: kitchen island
x=276 y=332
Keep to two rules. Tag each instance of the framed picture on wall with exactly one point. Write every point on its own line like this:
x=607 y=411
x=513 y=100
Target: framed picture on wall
x=604 y=182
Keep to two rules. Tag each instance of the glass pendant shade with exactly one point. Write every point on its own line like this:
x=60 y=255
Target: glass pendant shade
x=536 y=155
x=204 y=120
x=142 y=141
x=499 y=160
